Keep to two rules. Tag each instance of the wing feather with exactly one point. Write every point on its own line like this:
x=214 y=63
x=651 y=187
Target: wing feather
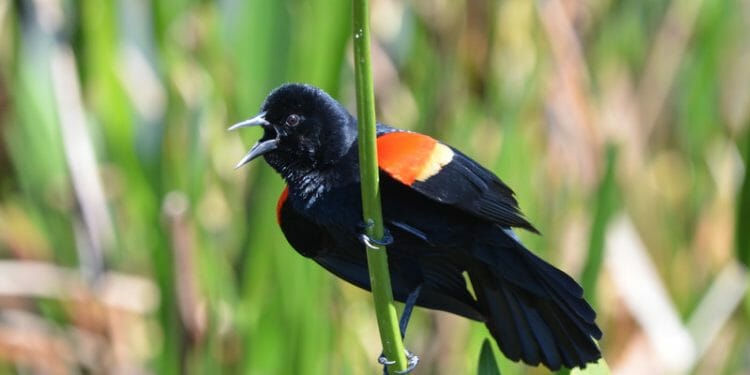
x=458 y=181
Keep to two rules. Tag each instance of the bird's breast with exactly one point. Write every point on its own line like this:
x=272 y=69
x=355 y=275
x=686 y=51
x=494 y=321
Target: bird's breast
x=335 y=208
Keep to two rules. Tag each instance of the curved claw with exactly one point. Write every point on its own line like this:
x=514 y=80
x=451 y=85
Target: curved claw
x=412 y=360
x=372 y=243
x=385 y=361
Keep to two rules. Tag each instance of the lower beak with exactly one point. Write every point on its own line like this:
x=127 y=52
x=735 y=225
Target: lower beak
x=259 y=149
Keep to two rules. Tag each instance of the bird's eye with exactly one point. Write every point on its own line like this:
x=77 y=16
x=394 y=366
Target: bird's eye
x=292 y=120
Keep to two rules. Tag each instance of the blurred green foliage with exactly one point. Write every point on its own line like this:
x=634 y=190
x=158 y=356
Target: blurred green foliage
x=487 y=364
x=115 y=161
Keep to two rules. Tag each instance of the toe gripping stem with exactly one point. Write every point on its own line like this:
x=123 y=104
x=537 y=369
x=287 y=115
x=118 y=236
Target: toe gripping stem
x=372 y=243
x=412 y=360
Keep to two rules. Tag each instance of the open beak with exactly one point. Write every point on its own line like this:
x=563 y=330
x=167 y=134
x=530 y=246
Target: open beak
x=261 y=147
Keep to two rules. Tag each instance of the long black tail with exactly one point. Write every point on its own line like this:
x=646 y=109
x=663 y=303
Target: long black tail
x=535 y=312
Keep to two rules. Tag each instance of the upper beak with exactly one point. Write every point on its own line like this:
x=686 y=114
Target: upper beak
x=261 y=147
x=259 y=120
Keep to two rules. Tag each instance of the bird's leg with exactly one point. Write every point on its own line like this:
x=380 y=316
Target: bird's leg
x=412 y=360
x=372 y=243
x=408 y=308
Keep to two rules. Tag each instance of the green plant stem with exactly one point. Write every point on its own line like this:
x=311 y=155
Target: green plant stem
x=742 y=236
x=377 y=259
x=604 y=207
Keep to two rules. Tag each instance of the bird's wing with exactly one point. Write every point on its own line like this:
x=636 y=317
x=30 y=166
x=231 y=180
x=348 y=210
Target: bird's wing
x=445 y=175
x=443 y=288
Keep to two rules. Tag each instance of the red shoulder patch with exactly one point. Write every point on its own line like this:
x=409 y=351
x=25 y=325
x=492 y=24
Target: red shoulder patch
x=410 y=157
x=282 y=200
x=402 y=155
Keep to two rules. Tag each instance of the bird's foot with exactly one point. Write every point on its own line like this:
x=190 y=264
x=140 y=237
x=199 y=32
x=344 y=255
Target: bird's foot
x=412 y=360
x=372 y=243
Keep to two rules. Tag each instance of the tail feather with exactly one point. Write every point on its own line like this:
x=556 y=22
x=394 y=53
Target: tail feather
x=535 y=312
x=571 y=309
x=529 y=346
x=498 y=306
x=572 y=305
x=548 y=347
x=576 y=346
x=563 y=286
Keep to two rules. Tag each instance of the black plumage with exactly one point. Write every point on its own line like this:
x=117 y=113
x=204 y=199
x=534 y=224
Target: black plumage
x=457 y=219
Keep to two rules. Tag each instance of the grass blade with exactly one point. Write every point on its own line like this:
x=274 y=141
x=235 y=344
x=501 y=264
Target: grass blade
x=743 y=210
x=487 y=363
x=603 y=209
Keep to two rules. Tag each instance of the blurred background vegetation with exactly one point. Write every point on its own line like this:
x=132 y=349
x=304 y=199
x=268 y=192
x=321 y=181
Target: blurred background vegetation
x=128 y=244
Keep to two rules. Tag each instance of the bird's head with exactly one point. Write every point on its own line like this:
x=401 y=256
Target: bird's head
x=303 y=129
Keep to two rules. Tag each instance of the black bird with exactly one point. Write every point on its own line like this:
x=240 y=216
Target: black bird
x=446 y=215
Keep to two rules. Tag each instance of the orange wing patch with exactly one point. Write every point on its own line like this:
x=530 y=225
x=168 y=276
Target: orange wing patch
x=282 y=199
x=410 y=157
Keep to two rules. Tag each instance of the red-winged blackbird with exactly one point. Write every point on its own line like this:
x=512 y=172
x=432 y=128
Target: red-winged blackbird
x=446 y=215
